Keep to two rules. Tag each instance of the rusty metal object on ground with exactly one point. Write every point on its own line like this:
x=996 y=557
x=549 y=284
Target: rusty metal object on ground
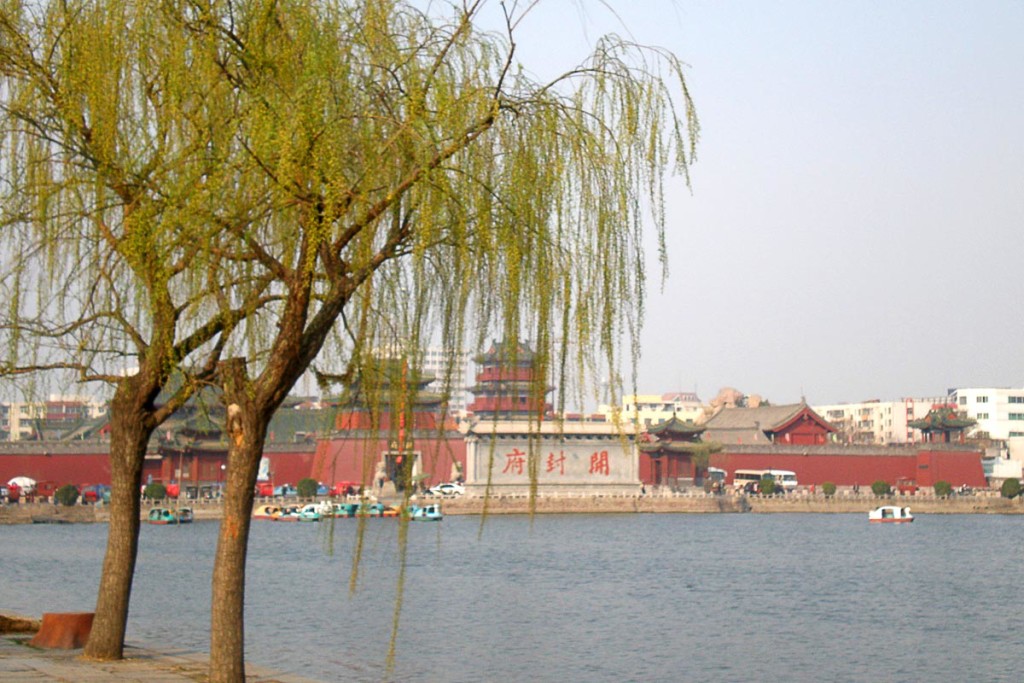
x=63 y=630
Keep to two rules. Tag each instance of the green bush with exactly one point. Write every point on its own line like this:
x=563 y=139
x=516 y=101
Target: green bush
x=66 y=495
x=881 y=488
x=943 y=489
x=1010 y=488
x=155 y=491
x=306 y=488
x=767 y=485
x=829 y=489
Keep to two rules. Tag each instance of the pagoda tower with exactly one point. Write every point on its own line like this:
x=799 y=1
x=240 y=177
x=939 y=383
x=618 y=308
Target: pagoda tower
x=506 y=385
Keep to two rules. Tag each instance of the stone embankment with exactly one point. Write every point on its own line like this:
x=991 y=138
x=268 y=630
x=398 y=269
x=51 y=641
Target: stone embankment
x=987 y=502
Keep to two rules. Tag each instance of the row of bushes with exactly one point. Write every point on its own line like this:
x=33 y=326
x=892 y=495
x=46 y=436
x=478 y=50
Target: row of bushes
x=68 y=494
x=1010 y=488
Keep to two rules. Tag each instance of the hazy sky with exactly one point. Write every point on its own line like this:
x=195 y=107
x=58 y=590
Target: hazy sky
x=854 y=225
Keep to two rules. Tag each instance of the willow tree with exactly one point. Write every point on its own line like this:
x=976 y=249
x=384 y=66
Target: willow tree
x=115 y=143
x=388 y=168
x=415 y=178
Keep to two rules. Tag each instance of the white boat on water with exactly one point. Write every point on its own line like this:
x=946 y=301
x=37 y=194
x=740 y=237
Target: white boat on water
x=890 y=513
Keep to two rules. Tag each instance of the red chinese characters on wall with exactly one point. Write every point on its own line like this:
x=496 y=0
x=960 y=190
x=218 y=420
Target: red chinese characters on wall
x=556 y=462
x=599 y=463
x=514 y=462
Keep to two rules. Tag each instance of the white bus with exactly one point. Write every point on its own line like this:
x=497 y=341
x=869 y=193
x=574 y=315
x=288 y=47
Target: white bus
x=751 y=479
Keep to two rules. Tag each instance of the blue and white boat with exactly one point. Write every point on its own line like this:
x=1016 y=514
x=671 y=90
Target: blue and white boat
x=169 y=516
x=426 y=513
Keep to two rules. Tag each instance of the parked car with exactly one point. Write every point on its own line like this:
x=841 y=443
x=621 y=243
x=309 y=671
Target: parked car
x=906 y=486
x=285 y=490
x=97 y=493
x=448 y=489
x=345 y=488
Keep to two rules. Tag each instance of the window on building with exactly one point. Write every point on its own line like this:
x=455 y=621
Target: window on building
x=981 y=399
x=1017 y=399
x=963 y=400
x=1017 y=416
x=1013 y=434
x=982 y=416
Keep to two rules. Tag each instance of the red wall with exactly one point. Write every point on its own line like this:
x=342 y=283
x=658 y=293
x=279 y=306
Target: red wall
x=67 y=468
x=925 y=466
x=290 y=467
x=672 y=467
x=355 y=458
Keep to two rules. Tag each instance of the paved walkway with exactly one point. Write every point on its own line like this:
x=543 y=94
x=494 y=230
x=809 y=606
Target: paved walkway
x=20 y=663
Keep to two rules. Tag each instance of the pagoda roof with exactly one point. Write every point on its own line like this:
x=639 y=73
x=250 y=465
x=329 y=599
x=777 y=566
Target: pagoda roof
x=942 y=419
x=674 y=425
x=507 y=388
x=672 y=446
x=503 y=350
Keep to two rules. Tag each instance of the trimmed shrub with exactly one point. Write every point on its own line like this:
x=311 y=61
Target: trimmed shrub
x=829 y=489
x=1010 y=488
x=881 y=488
x=155 y=491
x=306 y=488
x=943 y=489
x=767 y=486
x=66 y=495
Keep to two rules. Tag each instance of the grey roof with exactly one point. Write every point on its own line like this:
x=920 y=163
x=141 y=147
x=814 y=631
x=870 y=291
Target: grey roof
x=749 y=425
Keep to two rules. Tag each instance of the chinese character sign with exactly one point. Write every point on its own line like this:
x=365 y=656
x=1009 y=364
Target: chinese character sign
x=514 y=462
x=599 y=463
x=575 y=462
x=557 y=462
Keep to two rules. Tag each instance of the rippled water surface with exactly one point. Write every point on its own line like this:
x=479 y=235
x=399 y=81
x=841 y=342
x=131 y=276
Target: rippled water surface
x=576 y=597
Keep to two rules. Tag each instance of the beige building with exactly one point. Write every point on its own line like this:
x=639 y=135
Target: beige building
x=647 y=410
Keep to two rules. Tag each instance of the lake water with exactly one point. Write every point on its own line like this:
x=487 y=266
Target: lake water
x=576 y=597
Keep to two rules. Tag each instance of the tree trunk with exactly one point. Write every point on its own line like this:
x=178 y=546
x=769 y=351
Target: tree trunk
x=227 y=606
x=129 y=438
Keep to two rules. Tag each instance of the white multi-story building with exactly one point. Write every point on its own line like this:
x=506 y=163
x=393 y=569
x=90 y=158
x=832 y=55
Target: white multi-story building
x=999 y=412
x=651 y=409
x=439 y=361
x=878 y=422
x=1000 y=416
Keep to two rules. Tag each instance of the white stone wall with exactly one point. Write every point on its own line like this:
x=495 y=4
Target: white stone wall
x=567 y=462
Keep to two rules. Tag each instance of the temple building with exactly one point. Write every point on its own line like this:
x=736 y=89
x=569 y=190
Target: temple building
x=389 y=433
x=943 y=424
x=796 y=424
x=673 y=454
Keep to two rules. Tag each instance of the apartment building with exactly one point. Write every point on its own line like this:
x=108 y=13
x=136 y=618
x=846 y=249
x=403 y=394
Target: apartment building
x=31 y=420
x=652 y=409
x=998 y=411
x=878 y=422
